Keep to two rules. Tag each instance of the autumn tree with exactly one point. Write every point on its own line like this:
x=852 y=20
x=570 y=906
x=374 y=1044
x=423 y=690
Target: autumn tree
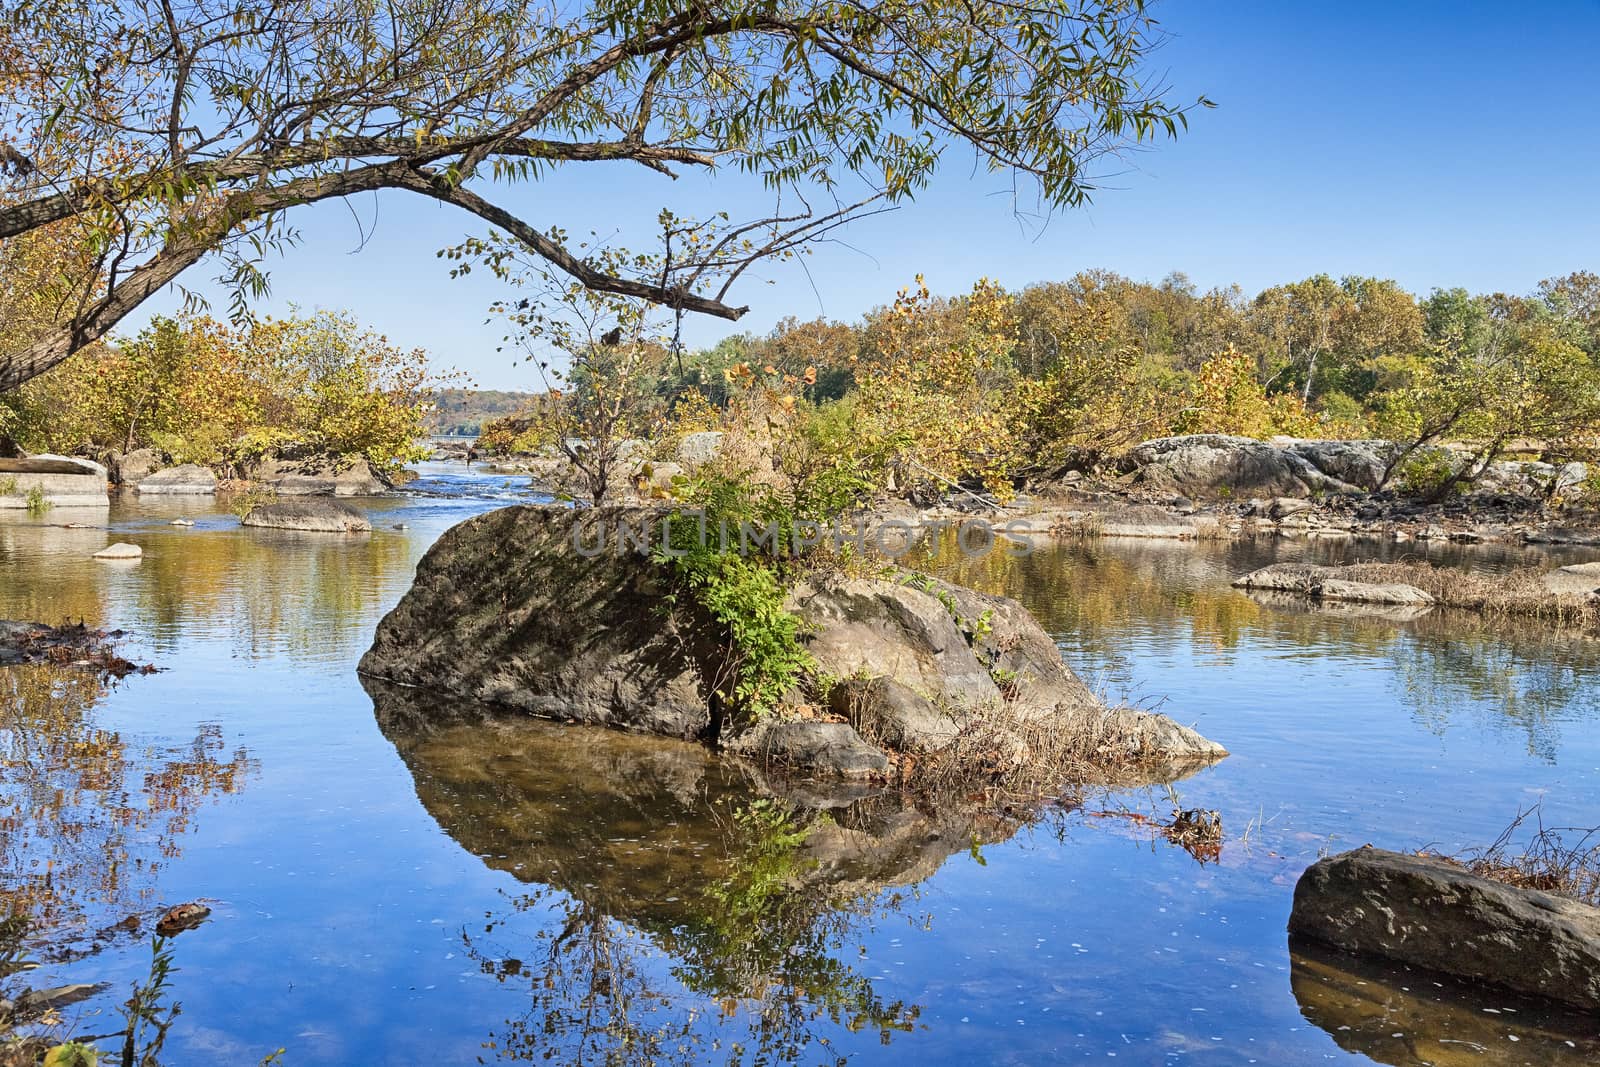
x=1494 y=369
x=162 y=134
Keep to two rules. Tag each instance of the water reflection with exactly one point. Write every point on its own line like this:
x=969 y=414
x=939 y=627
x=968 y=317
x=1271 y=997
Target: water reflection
x=265 y=590
x=89 y=818
x=682 y=907
x=1396 y=1015
x=1445 y=665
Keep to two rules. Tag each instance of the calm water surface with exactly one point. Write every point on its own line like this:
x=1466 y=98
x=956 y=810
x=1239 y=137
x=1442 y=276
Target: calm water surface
x=392 y=883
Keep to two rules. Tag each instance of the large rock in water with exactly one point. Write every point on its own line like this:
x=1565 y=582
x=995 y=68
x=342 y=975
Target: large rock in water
x=321 y=474
x=315 y=516
x=1432 y=913
x=61 y=481
x=190 y=479
x=506 y=610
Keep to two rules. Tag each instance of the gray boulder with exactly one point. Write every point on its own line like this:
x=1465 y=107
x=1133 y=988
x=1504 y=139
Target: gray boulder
x=1372 y=592
x=1355 y=463
x=695 y=450
x=316 y=516
x=1213 y=465
x=831 y=748
x=319 y=474
x=130 y=468
x=1429 y=912
x=190 y=479
x=505 y=610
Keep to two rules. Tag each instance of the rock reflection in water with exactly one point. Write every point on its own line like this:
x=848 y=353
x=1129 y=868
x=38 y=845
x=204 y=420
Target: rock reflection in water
x=680 y=906
x=88 y=816
x=1397 y=1015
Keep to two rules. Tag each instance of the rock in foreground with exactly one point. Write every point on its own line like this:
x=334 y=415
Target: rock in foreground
x=506 y=610
x=1431 y=913
x=317 y=516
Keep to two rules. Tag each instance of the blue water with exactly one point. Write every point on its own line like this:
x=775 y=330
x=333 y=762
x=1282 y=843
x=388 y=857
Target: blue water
x=355 y=920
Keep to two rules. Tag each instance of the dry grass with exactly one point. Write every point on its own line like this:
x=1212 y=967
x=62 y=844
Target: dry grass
x=1563 y=860
x=1011 y=760
x=1520 y=593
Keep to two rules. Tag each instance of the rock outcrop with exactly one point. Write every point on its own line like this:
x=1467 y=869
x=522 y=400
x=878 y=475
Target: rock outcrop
x=189 y=479
x=58 y=481
x=514 y=608
x=1212 y=465
x=1432 y=913
x=316 y=516
x=1220 y=467
x=319 y=474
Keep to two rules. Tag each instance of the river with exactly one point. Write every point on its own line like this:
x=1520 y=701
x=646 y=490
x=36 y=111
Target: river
x=389 y=892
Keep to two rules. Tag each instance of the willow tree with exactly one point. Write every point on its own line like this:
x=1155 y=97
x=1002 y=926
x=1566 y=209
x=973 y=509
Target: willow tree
x=159 y=133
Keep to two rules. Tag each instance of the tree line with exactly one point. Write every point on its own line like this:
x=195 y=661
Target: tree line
x=997 y=387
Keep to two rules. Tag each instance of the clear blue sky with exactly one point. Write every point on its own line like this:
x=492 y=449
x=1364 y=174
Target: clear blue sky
x=1435 y=143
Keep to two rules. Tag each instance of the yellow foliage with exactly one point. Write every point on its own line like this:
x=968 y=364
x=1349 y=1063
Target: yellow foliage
x=208 y=393
x=1228 y=399
x=933 y=401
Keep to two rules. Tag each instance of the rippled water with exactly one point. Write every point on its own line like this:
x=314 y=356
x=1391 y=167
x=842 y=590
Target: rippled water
x=394 y=881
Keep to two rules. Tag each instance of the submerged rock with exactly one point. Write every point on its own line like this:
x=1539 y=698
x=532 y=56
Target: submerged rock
x=188 y=479
x=1432 y=913
x=318 y=516
x=832 y=748
x=506 y=609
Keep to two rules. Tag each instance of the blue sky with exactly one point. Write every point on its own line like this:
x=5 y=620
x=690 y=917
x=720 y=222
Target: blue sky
x=1438 y=144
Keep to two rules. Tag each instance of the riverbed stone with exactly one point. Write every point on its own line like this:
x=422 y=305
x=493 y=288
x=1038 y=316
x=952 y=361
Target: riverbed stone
x=829 y=748
x=188 y=479
x=120 y=550
x=1324 y=582
x=317 y=516
x=1433 y=913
